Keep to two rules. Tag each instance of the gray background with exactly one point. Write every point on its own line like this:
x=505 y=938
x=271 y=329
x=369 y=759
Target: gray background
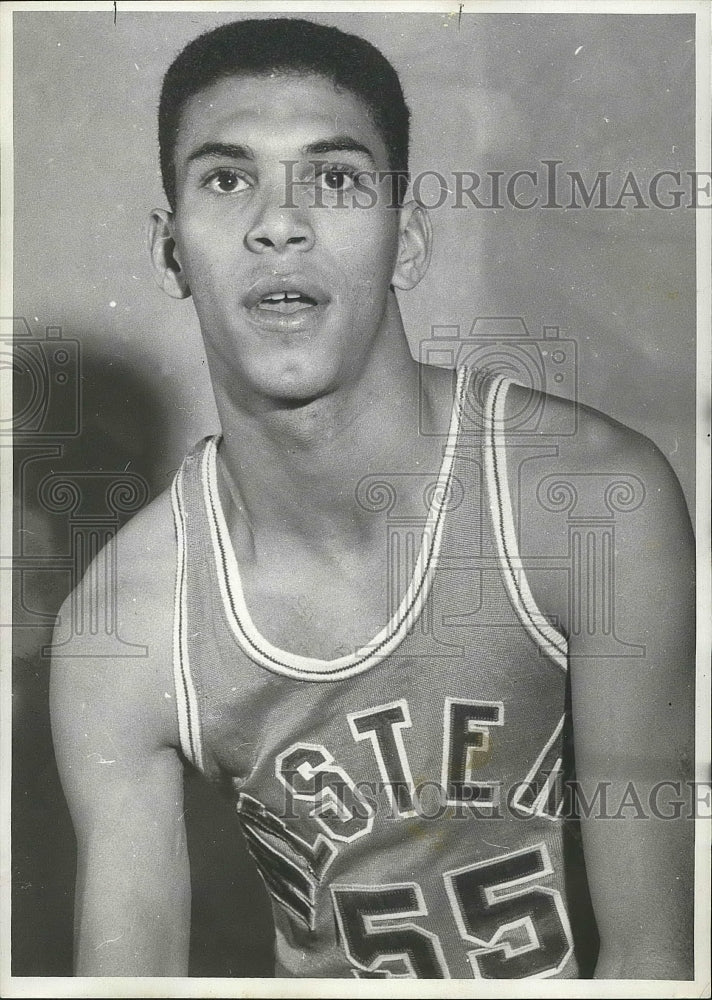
x=496 y=92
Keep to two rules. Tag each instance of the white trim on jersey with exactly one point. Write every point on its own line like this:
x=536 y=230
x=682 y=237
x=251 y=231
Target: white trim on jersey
x=548 y=638
x=385 y=642
x=186 y=700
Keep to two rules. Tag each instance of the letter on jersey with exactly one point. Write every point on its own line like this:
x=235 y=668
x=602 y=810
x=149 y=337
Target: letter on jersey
x=382 y=726
x=309 y=773
x=467 y=747
x=542 y=793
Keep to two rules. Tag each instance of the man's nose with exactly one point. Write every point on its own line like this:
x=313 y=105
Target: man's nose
x=277 y=227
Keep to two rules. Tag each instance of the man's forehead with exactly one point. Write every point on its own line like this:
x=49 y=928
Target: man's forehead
x=267 y=104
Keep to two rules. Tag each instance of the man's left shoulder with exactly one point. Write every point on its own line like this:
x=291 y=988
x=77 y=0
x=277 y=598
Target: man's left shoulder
x=584 y=475
x=585 y=441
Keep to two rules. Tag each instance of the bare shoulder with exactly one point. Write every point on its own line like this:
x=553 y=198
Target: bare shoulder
x=112 y=646
x=582 y=466
x=584 y=436
x=587 y=444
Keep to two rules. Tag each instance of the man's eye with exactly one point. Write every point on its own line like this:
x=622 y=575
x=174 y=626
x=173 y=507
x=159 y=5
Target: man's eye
x=225 y=182
x=337 y=178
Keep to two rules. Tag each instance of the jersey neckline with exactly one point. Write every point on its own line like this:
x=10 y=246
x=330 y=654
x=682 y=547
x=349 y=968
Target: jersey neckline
x=294 y=665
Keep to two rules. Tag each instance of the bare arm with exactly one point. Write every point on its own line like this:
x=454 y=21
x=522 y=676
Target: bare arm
x=633 y=728
x=113 y=726
x=633 y=715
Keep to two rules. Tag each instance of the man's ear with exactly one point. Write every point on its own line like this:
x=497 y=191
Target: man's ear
x=164 y=255
x=414 y=246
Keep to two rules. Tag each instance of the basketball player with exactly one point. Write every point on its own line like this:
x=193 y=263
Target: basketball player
x=280 y=665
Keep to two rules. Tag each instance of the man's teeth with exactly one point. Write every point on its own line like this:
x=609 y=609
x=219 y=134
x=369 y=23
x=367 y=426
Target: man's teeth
x=286 y=302
x=284 y=297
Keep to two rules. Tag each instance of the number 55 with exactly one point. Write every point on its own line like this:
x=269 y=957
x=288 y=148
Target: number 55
x=378 y=937
x=522 y=930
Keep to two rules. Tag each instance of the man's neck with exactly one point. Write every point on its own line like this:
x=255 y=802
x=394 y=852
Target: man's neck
x=298 y=466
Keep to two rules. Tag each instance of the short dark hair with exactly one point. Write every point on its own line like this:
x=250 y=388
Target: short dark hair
x=290 y=45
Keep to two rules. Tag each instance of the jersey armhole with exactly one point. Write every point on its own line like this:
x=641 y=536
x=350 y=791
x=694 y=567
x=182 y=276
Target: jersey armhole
x=549 y=639
x=186 y=697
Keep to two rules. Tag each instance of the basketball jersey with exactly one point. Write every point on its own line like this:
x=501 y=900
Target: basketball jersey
x=403 y=803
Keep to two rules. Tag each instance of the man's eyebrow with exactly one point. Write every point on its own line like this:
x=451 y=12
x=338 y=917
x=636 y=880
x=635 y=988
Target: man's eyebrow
x=338 y=144
x=229 y=149
x=236 y=151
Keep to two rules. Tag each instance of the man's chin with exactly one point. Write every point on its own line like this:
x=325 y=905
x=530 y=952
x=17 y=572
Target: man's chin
x=295 y=388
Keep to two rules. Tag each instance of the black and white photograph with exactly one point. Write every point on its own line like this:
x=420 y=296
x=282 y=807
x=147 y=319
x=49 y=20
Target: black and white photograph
x=355 y=486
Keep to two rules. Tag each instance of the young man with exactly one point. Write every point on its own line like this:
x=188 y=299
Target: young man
x=287 y=664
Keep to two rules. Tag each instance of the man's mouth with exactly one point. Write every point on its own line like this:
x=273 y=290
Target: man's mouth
x=285 y=294
x=286 y=302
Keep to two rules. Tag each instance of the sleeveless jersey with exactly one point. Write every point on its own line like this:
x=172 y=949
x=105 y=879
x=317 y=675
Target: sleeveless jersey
x=403 y=803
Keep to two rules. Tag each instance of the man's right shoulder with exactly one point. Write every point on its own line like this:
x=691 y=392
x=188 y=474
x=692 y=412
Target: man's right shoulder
x=132 y=580
x=145 y=549
x=113 y=638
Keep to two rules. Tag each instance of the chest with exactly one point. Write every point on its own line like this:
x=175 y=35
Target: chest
x=477 y=693
x=314 y=605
